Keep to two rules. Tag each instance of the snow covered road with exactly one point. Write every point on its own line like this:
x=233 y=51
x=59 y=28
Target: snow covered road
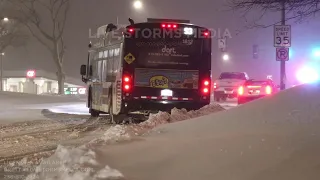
x=27 y=126
x=19 y=107
x=74 y=108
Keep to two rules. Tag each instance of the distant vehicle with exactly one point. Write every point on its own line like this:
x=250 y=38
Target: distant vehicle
x=227 y=84
x=254 y=89
x=155 y=65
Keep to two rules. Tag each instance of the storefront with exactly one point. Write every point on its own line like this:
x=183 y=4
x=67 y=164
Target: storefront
x=39 y=82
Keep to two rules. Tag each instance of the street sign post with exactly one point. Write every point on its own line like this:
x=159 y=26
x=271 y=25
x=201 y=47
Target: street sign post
x=282 y=36
x=282 y=54
x=222 y=43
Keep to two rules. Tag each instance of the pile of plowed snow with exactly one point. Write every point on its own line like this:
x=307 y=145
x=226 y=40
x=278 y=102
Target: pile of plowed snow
x=81 y=163
x=274 y=138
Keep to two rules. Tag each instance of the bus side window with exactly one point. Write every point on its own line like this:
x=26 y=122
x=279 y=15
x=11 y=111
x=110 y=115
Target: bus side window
x=104 y=70
x=93 y=64
x=116 y=64
x=110 y=65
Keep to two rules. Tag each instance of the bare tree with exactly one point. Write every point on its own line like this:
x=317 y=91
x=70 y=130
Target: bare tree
x=11 y=29
x=46 y=22
x=296 y=10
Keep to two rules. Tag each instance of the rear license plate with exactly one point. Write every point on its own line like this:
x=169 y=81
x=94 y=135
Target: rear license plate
x=256 y=92
x=166 y=92
x=228 y=92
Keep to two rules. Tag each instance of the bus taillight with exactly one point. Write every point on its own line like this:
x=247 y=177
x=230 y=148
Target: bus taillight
x=126 y=83
x=206 y=85
x=126 y=79
x=126 y=87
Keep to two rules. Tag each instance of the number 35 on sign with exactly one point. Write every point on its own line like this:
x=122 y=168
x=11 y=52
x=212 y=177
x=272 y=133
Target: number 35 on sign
x=282 y=36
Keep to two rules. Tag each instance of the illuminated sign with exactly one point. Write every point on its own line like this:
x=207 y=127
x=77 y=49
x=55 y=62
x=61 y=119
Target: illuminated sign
x=31 y=74
x=75 y=90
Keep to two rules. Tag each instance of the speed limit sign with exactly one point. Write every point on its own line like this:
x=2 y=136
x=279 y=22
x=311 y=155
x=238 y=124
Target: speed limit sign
x=282 y=36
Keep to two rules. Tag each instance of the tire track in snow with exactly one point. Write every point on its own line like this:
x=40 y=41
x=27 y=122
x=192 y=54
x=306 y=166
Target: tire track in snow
x=43 y=136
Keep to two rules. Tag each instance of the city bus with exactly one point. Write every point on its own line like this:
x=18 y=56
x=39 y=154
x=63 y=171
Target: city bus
x=151 y=66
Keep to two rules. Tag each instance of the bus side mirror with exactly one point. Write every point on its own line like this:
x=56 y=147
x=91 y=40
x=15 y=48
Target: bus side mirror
x=83 y=70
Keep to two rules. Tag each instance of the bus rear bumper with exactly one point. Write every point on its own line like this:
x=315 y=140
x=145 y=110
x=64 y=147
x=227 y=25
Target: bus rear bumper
x=156 y=105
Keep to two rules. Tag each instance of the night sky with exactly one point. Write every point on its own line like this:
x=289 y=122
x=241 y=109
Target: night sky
x=85 y=14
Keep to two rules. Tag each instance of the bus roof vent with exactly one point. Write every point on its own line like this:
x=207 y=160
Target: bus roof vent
x=153 y=20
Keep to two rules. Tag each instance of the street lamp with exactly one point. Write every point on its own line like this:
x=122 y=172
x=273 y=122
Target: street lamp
x=225 y=57
x=1 y=71
x=137 y=4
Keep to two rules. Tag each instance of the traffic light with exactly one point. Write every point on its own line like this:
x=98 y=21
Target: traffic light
x=255 y=51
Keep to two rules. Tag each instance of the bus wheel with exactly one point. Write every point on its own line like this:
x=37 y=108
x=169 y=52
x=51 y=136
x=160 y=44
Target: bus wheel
x=117 y=119
x=94 y=113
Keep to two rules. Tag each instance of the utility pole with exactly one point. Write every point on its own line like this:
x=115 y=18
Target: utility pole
x=1 y=71
x=283 y=63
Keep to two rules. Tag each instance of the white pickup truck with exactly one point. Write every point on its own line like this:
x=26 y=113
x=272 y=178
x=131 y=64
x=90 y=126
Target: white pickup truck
x=226 y=86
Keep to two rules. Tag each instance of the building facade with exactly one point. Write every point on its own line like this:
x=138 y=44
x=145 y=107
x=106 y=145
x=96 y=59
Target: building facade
x=39 y=82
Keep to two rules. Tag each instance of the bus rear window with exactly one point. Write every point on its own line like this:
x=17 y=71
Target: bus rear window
x=182 y=52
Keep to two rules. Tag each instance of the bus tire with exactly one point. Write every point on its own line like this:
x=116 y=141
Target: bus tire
x=94 y=113
x=117 y=119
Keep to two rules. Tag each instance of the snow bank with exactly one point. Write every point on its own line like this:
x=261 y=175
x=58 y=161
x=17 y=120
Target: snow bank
x=272 y=138
x=81 y=163
x=124 y=133
x=73 y=164
x=179 y=115
x=113 y=134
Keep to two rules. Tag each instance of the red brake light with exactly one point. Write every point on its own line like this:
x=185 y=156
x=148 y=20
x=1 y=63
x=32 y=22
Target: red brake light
x=169 y=25
x=126 y=79
x=206 y=33
x=205 y=88
x=206 y=83
x=240 y=90
x=126 y=83
x=268 y=90
x=130 y=30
